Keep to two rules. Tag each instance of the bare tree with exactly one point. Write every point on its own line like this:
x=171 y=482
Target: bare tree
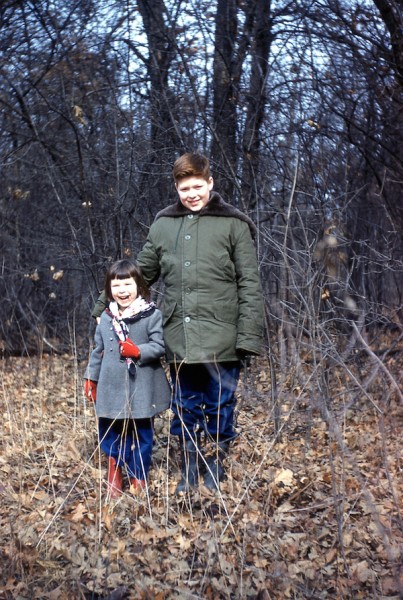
x=298 y=104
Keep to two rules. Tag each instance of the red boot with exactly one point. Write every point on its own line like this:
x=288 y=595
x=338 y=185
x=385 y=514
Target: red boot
x=115 y=479
x=137 y=485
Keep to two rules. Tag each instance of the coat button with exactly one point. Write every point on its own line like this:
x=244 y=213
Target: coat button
x=190 y=216
x=187 y=319
x=187 y=237
x=187 y=263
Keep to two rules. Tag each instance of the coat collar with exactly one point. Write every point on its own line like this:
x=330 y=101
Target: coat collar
x=216 y=207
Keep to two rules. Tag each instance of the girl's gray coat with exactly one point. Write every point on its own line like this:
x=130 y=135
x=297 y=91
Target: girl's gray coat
x=119 y=394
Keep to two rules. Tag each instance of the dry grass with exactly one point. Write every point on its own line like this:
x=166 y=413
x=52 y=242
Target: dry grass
x=316 y=515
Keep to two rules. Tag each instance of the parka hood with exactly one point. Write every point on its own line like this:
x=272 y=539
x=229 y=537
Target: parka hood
x=216 y=207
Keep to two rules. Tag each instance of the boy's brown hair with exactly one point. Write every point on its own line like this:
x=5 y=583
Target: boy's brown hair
x=124 y=269
x=191 y=165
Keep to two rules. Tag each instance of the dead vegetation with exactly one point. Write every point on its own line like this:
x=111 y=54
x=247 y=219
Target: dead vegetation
x=310 y=511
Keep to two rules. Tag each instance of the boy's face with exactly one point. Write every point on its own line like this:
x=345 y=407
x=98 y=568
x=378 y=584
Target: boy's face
x=194 y=192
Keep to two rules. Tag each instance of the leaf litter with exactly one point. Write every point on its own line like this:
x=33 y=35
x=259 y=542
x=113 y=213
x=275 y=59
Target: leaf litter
x=315 y=513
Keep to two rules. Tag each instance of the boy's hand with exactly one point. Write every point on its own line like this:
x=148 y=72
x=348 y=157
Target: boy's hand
x=244 y=357
x=128 y=349
x=90 y=390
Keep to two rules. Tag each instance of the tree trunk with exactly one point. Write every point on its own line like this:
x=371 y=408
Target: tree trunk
x=223 y=150
x=256 y=100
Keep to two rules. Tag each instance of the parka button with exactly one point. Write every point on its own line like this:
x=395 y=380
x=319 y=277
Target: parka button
x=187 y=319
x=188 y=290
x=187 y=237
x=187 y=263
x=190 y=216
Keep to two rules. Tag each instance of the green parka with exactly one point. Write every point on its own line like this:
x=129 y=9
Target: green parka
x=213 y=305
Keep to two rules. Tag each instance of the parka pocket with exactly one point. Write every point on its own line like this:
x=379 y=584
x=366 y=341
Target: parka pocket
x=226 y=314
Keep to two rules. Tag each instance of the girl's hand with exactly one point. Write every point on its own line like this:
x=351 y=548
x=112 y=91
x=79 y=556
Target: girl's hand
x=128 y=349
x=90 y=390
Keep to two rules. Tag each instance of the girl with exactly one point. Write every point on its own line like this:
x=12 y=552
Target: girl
x=125 y=376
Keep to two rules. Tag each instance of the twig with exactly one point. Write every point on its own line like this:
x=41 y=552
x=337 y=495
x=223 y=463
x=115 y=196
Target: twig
x=378 y=361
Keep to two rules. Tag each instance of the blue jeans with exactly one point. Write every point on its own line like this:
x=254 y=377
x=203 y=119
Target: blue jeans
x=129 y=442
x=204 y=399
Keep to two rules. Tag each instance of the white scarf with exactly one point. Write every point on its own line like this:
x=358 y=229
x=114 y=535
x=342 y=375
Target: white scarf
x=136 y=307
x=139 y=305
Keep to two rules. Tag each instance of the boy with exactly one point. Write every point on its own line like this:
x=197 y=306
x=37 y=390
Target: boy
x=203 y=249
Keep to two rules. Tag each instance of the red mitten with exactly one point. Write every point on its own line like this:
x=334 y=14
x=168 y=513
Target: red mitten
x=90 y=390
x=128 y=349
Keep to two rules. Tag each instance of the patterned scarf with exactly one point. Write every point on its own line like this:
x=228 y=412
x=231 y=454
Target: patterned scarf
x=137 y=309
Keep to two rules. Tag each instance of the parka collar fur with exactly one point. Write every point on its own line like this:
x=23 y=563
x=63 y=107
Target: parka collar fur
x=216 y=207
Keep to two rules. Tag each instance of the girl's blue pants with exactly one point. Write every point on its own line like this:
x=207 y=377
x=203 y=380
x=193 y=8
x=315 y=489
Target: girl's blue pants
x=129 y=442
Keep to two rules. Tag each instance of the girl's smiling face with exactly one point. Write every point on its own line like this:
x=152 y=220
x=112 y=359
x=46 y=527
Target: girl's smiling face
x=124 y=291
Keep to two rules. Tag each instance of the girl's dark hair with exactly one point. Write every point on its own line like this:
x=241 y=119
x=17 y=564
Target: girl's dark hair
x=124 y=269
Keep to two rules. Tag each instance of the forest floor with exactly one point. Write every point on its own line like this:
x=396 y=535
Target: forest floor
x=312 y=511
